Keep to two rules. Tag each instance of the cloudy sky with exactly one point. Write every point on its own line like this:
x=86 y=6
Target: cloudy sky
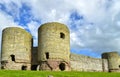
x=94 y=24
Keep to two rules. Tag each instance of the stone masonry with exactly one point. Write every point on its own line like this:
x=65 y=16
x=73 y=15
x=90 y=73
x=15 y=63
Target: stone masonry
x=16 y=49
x=52 y=53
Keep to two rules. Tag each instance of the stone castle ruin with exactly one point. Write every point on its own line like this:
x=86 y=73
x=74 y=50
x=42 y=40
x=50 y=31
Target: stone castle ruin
x=52 y=53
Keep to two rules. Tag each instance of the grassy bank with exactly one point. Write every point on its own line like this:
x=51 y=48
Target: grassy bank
x=8 y=73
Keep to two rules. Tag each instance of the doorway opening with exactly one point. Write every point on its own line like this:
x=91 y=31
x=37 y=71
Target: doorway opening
x=62 y=66
x=34 y=67
x=24 y=67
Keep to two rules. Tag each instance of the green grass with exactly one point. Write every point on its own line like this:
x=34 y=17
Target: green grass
x=8 y=73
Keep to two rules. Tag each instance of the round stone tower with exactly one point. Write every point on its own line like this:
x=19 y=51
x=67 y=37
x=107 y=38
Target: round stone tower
x=16 y=49
x=54 y=46
x=113 y=60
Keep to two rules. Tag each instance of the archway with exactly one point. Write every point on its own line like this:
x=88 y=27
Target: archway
x=62 y=66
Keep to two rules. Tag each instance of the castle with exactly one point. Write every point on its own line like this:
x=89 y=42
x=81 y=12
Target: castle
x=52 y=53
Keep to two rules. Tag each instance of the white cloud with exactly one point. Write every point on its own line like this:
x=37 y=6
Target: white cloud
x=102 y=35
x=33 y=27
x=5 y=21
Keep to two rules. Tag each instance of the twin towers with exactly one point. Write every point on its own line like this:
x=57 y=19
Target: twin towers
x=52 y=53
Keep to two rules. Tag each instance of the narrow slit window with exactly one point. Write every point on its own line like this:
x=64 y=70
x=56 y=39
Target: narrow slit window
x=47 y=55
x=12 y=57
x=62 y=35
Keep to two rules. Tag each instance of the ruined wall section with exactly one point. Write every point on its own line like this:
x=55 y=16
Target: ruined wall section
x=85 y=63
x=16 y=48
x=54 y=46
x=10 y=65
x=113 y=59
x=54 y=39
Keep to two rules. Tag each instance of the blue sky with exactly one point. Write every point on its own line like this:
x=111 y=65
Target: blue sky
x=94 y=24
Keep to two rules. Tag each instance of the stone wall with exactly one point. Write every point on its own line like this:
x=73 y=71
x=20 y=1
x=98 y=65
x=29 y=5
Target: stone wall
x=85 y=63
x=17 y=42
x=16 y=47
x=54 y=46
x=52 y=53
x=113 y=59
x=34 y=56
x=105 y=65
x=53 y=41
x=54 y=65
x=11 y=65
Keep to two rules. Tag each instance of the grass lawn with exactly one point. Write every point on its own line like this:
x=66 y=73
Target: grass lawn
x=8 y=73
